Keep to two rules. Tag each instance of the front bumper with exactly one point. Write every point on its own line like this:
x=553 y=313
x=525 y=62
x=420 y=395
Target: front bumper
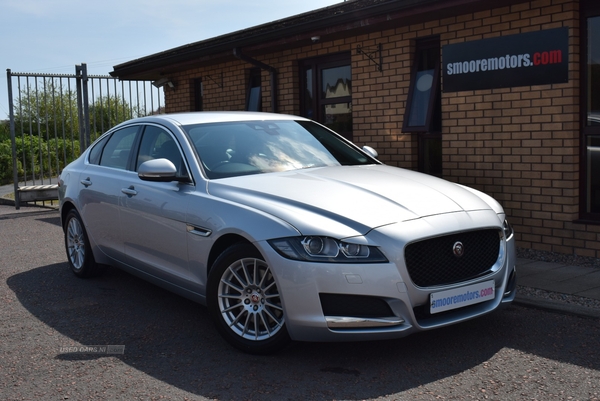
x=311 y=291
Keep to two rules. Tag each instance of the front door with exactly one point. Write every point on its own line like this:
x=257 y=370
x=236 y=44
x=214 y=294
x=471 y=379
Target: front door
x=153 y=213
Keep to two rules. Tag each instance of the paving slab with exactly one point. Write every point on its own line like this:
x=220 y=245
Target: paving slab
x=527 y=267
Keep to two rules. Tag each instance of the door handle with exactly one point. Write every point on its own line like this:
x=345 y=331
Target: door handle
x=87 y=182
x=129 y=191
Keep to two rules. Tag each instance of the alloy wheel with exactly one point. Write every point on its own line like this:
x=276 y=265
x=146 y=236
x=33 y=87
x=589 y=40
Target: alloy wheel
x=75 y=243
x=249 y=301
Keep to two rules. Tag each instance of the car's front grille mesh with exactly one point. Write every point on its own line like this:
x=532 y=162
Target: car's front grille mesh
x=432 y=262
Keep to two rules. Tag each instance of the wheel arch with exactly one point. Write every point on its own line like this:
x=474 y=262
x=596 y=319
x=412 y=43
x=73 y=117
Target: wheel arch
x=221 y=245
x=65 y=209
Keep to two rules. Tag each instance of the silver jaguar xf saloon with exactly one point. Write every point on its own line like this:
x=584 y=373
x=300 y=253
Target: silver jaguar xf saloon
x=284 y=229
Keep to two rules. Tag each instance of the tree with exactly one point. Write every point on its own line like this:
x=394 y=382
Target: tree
x=4 y=130
x=50 y=111
x=108 y=111
x=36 y=158
x=46 y=110
x=47 y=129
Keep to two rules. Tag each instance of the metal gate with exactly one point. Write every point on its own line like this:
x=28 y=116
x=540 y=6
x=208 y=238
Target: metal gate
x=54 y=117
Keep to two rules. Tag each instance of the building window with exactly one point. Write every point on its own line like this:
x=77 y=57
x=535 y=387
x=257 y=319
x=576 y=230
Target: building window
x=254 y=97
x=197 y=93
x=590 y=196
x=423 y=107
x=326 y=90
x=424 y=93
x=593 y=174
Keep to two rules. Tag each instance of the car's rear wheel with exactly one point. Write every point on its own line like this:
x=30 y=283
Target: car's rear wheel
x=245 y=303
x=79 y=253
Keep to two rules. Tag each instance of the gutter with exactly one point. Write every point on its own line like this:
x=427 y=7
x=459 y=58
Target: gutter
x=335 y=20
x=348 y=15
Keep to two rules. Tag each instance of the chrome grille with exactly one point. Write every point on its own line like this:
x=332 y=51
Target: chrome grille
x=432 y=262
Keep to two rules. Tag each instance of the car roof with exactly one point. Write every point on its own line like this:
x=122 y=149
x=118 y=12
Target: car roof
x=202 y=117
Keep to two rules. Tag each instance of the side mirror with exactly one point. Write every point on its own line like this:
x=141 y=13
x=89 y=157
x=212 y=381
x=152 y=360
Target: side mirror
x=370 y=151
x=159 y=170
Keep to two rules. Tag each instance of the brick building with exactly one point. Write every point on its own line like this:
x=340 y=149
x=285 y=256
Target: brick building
x=447 y=87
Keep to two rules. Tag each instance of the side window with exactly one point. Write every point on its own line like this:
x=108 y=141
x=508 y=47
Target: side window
x=158 y=143
x=96 y=151
x=116 y=151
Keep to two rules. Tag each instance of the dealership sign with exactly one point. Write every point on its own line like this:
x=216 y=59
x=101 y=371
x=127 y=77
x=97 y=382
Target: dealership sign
x=534 y=58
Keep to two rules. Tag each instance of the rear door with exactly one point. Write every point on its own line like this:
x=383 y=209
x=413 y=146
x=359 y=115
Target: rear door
x=100 y=183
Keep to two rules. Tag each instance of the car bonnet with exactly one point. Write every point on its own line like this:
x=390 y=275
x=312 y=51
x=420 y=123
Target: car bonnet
x=347 y=200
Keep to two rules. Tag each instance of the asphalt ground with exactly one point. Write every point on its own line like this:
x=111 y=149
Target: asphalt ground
x=172 y=351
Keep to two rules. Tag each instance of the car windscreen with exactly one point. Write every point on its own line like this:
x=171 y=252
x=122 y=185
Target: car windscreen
x=230 y=149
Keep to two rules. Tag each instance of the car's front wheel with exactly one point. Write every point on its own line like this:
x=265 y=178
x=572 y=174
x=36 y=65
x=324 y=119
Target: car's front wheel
x=245 y=303
x=79 y=253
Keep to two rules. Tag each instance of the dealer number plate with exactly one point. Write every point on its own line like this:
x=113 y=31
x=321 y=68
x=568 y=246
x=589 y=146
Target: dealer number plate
x=463 y=296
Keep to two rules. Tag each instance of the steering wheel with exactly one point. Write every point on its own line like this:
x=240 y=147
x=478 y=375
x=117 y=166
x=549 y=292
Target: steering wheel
x=219 y=164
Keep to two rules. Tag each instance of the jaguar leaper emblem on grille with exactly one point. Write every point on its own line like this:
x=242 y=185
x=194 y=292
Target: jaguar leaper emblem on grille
x=458 y=249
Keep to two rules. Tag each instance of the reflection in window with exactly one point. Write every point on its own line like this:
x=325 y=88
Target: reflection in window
x=253 y=147
x=423 y=113
x=197 y=95
x=326 y=88
x=254 y=98
x=336 y=82
x=308 y=106
x=96 y=151
x=593 y=166
x=116 y=152
x=593 y=71
x=423 y=96
x=338 y=117
x=590 y=193
x=157 y=144
x=420 y=99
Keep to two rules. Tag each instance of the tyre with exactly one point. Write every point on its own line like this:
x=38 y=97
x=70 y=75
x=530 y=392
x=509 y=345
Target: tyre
x=79 y=253
x=245 y=303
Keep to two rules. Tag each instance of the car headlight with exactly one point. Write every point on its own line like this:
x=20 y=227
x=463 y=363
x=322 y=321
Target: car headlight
x=326 y=250
x=507 y=228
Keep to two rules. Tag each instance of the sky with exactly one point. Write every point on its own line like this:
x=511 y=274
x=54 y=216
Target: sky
x=51 y=37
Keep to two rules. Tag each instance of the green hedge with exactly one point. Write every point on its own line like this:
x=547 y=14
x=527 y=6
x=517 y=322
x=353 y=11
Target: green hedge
x=39 y=155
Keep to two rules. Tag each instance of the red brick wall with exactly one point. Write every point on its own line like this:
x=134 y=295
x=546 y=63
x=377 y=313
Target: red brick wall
x=519 y=145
